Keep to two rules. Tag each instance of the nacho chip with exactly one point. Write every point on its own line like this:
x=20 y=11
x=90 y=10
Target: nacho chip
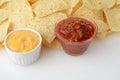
x=3 y=30
x=94 y=15
x=77 y=6
x=55 y=44
x=2 y=2
x=72 y=3
x=1 y=44
x=99 y=4
x=46 y=7
x=46 y=25
x=102 y=26
x=69 y=11
x=3 y=15
x=118 y=2
x=99 y=14
x=11 y=27
x=102 y=35
x=108 y=3
x=32 y=1
x=85 y=12
x=113 y=18
x=21 y=14
x=93 y=4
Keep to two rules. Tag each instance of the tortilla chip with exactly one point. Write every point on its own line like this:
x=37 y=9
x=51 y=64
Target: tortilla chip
x=3 y=30
x=113 y=18
x=102 y=35
x=46 y=25
x=108 y=3
x=77 y=6
x=46 y=7
x=1 y=44
x=21 y=14
x=86 y=13
x=32 y=1
x=99 y=4
x=102 y=26
x=72 y=3
x=10 y=28
x=2 y=2
x=3 y=15
x=118 y=2
x=94 y=15
x=55 y=44
x=69 y=11
x=93 y=4
x=99 y=14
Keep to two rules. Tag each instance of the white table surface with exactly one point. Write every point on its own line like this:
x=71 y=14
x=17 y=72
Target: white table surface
x=100 y=62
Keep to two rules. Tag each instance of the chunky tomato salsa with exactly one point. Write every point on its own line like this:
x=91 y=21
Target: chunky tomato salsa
x=75 y=34
x=76 y=30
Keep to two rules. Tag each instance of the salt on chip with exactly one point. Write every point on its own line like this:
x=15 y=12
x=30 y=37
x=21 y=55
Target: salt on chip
x=113 y=18
x=3 y=30
x=46 y=25
x=46 y=7
x=22 y=13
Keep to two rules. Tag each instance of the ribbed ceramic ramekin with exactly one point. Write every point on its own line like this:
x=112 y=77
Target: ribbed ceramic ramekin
x=24 y=58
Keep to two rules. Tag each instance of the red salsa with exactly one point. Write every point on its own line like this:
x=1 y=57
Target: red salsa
x=76 y=30
x=75 y=34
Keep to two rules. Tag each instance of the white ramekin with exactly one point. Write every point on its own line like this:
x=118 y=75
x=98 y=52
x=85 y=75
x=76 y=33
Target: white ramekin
x=24 y=58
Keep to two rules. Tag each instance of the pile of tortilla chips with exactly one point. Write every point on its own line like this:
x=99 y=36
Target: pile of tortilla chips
x=43 y=15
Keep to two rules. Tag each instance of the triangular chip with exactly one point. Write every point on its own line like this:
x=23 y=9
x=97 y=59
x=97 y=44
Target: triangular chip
x=113 y=18
x=3 y=15
x=102 y=26
x=93 y=4
x=1 y=44
x=2 y=2
x=22 y=13
x=54 y=44
x=3 y=30
x=108 y=3
x=32 y=1
x=88 y=13
x=94 y=15
x=46 y=25
x=72 y=3
x=84 y=12
x=102 y=35
x=69 y=11
x=47 y=7
x=118 y=2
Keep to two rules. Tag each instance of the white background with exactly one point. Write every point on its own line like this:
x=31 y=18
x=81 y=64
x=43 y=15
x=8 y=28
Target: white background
x=100 y=62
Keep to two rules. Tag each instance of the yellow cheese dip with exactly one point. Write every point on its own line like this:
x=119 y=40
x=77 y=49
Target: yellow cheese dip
x=23 y=41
